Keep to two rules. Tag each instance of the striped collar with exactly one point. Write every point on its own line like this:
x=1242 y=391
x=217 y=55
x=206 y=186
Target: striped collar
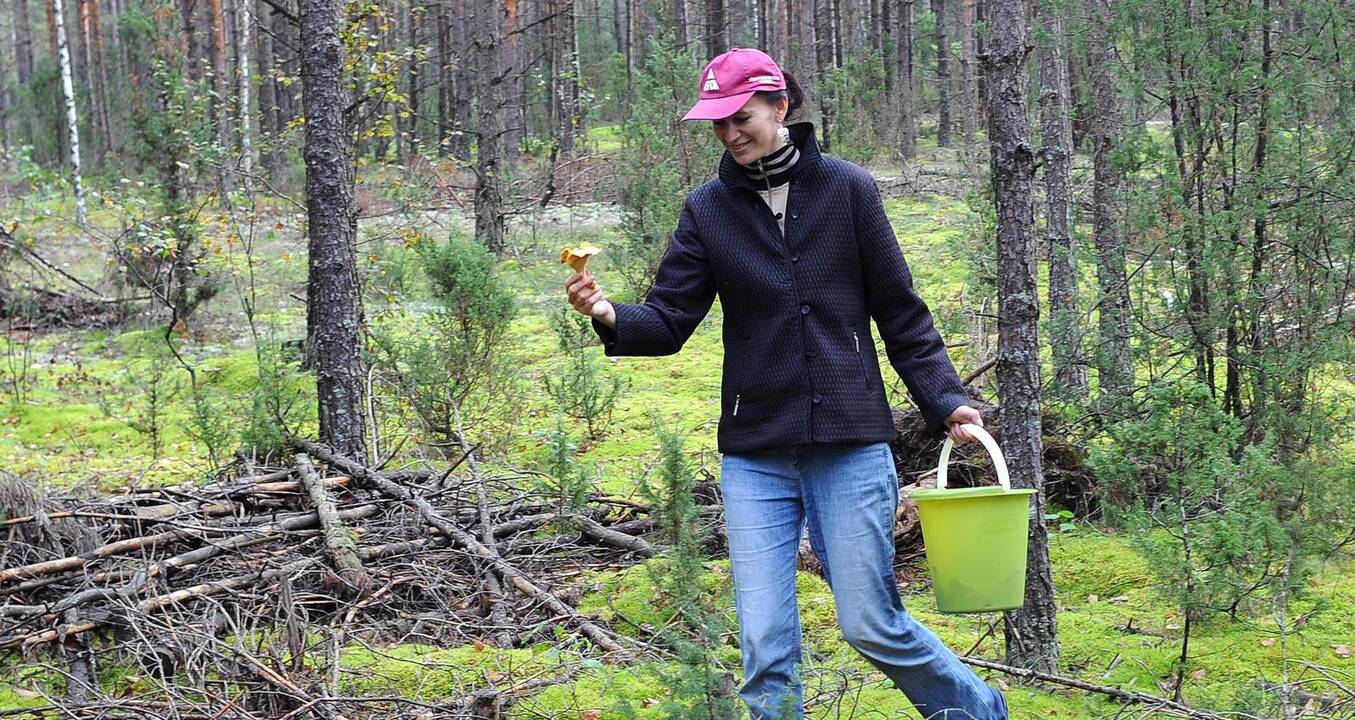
x=806 y=150
x=773 y=169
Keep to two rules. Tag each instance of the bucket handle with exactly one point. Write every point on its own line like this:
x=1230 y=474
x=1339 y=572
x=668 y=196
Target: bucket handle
x=989 y=444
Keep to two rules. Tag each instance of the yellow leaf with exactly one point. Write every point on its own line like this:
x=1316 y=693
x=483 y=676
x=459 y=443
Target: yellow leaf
x=1267 y=642
x=1341 y=650
x=1198 y=674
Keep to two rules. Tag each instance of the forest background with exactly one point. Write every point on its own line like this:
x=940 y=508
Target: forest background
x=232 y=227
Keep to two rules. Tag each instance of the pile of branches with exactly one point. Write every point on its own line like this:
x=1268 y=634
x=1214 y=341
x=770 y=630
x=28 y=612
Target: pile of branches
x=184 y=581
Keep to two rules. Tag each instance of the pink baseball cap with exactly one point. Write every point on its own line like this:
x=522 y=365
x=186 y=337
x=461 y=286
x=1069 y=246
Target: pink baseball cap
x=730 y=79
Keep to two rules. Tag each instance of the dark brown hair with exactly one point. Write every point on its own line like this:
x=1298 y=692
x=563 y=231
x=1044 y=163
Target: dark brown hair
x=792 y=93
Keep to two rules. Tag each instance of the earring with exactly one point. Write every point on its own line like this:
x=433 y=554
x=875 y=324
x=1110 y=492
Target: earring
x=783 y=134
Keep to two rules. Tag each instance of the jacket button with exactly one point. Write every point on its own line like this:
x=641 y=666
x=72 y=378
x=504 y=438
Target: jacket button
x=818 y=399
x=795 y=216
x=804 y=309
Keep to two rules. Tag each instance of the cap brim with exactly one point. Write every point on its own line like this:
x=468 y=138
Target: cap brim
x=718 y=108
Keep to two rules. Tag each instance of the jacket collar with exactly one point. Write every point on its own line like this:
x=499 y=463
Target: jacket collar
x=801 y=136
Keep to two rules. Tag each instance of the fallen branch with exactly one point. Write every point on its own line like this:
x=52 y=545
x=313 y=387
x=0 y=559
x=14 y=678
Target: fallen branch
x=1117 y=693
x=595 y=530
x=599 y=636
x=338 y=541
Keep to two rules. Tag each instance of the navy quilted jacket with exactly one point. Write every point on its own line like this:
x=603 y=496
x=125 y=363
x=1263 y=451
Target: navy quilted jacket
x=799 y=366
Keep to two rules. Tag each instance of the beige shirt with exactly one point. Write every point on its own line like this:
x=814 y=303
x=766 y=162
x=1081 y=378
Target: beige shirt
x=776 y=200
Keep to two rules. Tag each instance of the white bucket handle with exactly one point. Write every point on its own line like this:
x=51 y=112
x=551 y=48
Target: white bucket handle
x=989 y=444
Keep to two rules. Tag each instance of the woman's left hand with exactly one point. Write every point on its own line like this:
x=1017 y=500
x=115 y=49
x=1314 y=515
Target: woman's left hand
x=962 y=415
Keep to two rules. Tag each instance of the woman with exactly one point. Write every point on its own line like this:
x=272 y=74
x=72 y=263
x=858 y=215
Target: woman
x=799 y=250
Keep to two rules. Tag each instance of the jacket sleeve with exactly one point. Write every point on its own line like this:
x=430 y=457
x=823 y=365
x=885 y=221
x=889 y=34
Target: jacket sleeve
x=681 y=296
x=911 y=341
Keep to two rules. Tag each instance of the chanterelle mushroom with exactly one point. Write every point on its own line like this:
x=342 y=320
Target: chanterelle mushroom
x=577 y=257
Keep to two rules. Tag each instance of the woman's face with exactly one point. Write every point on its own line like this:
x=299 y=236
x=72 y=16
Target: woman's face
x=750 y=133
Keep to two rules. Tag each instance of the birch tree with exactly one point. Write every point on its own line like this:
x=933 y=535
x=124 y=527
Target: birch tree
x=334 y=311
x=243 y=22
x=1031 y=632
x=72 y=119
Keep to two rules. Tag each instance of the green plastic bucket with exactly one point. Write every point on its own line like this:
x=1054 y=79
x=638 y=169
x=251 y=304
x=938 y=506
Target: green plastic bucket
x=975 y=537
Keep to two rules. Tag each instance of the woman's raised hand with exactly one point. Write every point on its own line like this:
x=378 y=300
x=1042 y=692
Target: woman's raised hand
x=585 y=294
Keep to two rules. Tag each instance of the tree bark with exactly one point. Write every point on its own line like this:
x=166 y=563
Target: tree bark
x=511 y=68
x=1031 y=632
x=72 y=119
x=1113 y=363
x=907 y=87
x=192 y=50
x=417 y=64
x=216 y=49
x=334 y=311
x=969 y=99
x=679 y=9
x=446 y=76
x=1056 y=135
x=567 y=76
x=463 y=88
x=269 y=126
x=244 y=22
x=717 y=39
x=489 y=226
x=823 y=58
x=99 y=72
x=942 y=74
x=23 y=46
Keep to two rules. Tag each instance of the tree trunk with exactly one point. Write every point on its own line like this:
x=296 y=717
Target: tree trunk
x=717 y=39
x=567 y=31
x=99 y=72
x=942 y=75
x=823 y=60
x=417 y=64
x=1113 y=364
x=907 y=87
x=512 y=67
x=192 y=50
x=23 y=46
x=1056 y=134
x=969 y=103
x=446 y=77
x=72 y=119
x=269 y=130
x=489 y=227
x=463 y=87
x=220 y=114
x=244 y=21
x=334 y=310
x=1031 y=632
x=679 y=8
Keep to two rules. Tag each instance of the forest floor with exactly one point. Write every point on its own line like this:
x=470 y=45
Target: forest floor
x=103 y=410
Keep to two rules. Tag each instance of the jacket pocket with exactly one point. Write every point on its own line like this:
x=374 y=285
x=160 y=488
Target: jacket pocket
x=860 y=359
x=740 y=373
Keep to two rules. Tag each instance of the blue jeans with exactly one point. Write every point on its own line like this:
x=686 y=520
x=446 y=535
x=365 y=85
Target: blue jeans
x=848 y=495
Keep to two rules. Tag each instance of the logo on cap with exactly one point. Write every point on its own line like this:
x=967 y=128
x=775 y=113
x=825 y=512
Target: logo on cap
x=710 y=85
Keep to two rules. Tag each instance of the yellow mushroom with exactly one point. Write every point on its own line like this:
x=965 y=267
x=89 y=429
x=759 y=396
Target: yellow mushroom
x=577 y=257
